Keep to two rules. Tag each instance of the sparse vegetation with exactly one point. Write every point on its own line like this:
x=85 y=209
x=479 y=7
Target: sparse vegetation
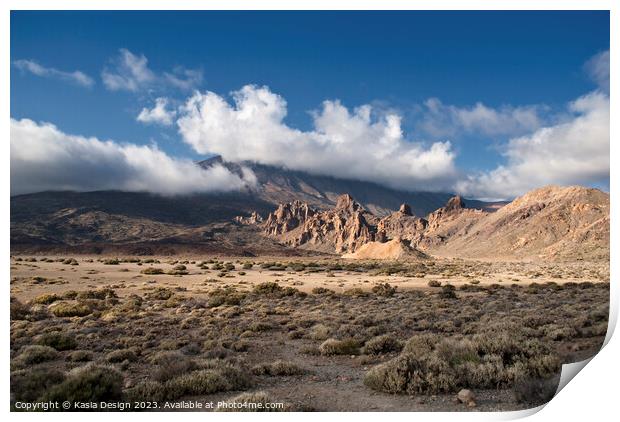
x=68 y=309
x=88 y=384
x=166 y=338
x=152 y=271
x=339 y=347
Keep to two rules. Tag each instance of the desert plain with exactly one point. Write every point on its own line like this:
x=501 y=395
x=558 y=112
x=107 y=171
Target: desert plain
x=315 y=333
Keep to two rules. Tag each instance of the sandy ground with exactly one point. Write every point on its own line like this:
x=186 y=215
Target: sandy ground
x=126 y=278
x=330 y=383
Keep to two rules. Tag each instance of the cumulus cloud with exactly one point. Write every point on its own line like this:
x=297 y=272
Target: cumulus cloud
x=572 y=152
x=354 y=144
x=439 y=119
x=35 y=68
x=159 y=114
x=130 y=72
x=44 y=158
x=598 y=69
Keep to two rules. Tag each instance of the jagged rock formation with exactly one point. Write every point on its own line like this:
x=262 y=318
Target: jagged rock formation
x=343 y=228
x=288 y=217
x=401 y=224
x=253 y=219
x=447 y=222
x=549 y=223
x=348 y=225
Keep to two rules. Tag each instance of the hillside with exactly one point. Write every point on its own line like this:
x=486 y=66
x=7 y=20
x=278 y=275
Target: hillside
x=551 y=222
x=548 y=223
x=278 y=185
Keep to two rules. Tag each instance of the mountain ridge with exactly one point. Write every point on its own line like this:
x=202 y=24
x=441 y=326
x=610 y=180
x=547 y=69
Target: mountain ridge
x=280 y=185
x=547 y=223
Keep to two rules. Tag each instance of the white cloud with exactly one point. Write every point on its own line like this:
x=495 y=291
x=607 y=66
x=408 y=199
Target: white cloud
x=158 y=114
x=44 y=158
x=439 y=119
x=35 y=68
x=131 y=72
x=353 y=144
x=572 y=152
x=598 y=69
x=184 y=79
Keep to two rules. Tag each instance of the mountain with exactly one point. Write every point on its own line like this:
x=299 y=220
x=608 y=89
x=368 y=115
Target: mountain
x=279 y=185
x=113 y=217
x=548 y=223
x=144 y=223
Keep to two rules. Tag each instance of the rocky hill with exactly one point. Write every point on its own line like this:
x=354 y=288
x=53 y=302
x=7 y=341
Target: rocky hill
x=548 y=223
x=344 y=228
x=279 y=185
x=114 y=217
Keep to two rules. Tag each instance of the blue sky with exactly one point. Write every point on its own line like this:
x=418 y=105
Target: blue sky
x=429 y=68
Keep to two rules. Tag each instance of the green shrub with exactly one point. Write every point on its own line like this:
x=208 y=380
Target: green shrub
x=319 y=332
x=121 y=355
x=46 y=299
x=160 y=293
x=89 y=383
x=277 y=368
x=67 y=309
x=113 y=261
x=339 y=347
x=382 y=344
x=430 y=364
x=356 y=291
x=147 y=391
x=57 y=340
x=224 y=296
x=322 y=291
x=384 y=289
x=18 y=310
x=434 y=283
x=535 y=391
x=81 y=356
x=29 y=384
x=152 y=271
x=170 y=364
x=268 y=288
x=447 y=292
x=99 y=294
x=33 y=354
x=217 y=378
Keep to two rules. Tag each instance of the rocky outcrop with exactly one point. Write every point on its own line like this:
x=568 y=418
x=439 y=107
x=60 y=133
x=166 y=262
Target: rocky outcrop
x=344 y=228
x=453 y=209
x=549 y=223
x=401 y=224
x=287 y=217
x=348 y=226
x=253 y=219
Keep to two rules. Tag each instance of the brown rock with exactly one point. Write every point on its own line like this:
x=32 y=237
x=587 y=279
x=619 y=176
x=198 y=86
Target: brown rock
x=405 y=209
x=467 y=397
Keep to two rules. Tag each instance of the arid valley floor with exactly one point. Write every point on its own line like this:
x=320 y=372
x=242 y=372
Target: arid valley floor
x=315 y=333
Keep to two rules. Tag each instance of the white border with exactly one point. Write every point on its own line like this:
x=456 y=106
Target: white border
x=591 y=396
